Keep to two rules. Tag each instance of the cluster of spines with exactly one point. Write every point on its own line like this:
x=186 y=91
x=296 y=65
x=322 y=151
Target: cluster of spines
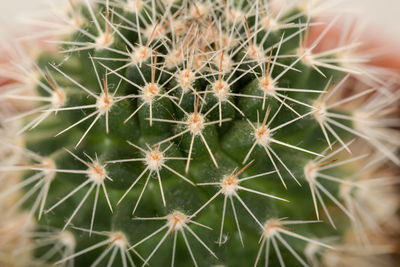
x=200 y=47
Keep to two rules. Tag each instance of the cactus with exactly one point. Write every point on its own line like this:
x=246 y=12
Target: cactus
x=206 y=133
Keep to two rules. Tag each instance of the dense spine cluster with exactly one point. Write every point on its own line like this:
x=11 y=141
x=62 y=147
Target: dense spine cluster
x=206 y=133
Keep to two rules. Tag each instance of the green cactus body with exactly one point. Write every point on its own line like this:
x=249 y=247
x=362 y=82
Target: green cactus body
x=190 y=133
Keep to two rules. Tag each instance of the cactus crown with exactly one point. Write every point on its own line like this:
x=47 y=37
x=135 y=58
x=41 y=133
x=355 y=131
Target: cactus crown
x=193 y=132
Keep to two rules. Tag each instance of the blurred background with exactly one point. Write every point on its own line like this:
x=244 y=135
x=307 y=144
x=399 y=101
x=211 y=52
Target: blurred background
x=381 y=14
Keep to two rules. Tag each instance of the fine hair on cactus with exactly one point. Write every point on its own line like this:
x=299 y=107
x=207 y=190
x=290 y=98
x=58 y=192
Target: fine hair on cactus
x=197 y=133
